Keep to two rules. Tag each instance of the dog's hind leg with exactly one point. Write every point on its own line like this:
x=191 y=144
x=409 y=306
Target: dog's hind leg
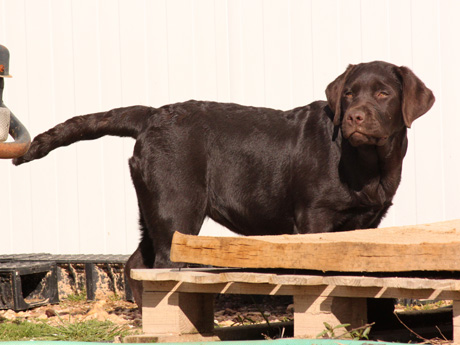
x=171 y=194
x=143 y=257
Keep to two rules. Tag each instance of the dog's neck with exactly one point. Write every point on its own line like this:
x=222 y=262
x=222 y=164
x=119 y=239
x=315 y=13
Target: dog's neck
x=391 y=157
x=374 y=170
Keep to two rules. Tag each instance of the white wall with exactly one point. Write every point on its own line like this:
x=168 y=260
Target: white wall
x=72 y=57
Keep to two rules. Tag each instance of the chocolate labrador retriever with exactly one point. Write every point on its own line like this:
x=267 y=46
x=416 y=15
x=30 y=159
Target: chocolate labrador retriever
x=328 y=166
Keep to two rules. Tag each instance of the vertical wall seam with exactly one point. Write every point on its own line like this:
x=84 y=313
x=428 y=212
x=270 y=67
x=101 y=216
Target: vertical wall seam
x=312 y=43
x=28 y=118
x=411 y=19
x=216 y=69
x=194 y=58
x=101 y=145
x=146 y=57
x=264 y=44
x=72 y=14
x=387 y=15
x=9 y=173
x=361 y=29
x=440 y=100
x=167 y=50
x=290 y=56
x=53 y=111
x=227 y=25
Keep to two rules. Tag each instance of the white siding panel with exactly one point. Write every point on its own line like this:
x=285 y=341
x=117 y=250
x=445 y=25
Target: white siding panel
x=428 y=132
x=400 y=53
x=235 y=51
x=111 y=76
x=221 y=38
x=252 y=55
x=71 y=57
x=62 y=69
x=134 y=71
x=400 y=32
x=39 y=84
x=16 y=98
x=325 y=45
x=156 y=36
x=86 y=45
x=301 y=55
x=276 y=54
x=374 y=30
x=449 y=102
x=180 y=49
x=349 y=20
x=204 y=50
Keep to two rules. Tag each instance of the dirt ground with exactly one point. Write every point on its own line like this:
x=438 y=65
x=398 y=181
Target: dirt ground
x=118 y=311
x=229 y=311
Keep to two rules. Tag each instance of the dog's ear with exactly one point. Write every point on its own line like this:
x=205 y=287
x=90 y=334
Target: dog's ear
x=334 y=93
x=417 y=99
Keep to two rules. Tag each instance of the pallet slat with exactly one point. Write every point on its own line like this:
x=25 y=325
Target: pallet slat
x=218 y=276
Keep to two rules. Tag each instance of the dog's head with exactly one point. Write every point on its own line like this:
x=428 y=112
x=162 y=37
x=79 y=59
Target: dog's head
x=374 y=100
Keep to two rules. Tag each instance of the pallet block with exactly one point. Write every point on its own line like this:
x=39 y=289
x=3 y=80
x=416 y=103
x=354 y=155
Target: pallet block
x=311 y=311
x=177 y=313
x=180 y=301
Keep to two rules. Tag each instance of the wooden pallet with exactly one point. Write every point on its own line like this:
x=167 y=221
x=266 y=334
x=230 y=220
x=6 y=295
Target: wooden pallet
x=181 y=301
x=102 y=274
x=25 y=285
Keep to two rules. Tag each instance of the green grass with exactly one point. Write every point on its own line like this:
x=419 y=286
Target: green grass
x=427 y=306
x=19 y=330
x=90 y=330
x=77 y=297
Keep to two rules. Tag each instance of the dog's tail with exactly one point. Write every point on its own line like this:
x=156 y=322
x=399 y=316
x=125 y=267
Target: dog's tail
x=122 y=122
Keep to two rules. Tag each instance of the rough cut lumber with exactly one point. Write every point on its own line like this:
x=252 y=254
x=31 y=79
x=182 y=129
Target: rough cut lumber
x=428 y=247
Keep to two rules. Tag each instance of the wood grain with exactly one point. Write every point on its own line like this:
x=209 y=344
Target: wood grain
x=428 y=247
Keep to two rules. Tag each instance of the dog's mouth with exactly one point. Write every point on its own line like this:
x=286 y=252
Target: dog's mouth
x=358 y=138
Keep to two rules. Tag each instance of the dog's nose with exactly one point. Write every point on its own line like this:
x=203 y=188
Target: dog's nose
x=356 y=117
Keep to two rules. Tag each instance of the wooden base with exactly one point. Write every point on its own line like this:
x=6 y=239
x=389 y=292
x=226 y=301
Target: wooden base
x=310 y=313
x=181 y=301
x=177 y=312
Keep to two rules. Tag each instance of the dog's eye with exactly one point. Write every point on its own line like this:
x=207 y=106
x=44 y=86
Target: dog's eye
x=382 y=94
x=348 y=94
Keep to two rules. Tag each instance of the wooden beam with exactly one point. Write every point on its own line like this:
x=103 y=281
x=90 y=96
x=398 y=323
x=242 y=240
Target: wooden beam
x=429 y=247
